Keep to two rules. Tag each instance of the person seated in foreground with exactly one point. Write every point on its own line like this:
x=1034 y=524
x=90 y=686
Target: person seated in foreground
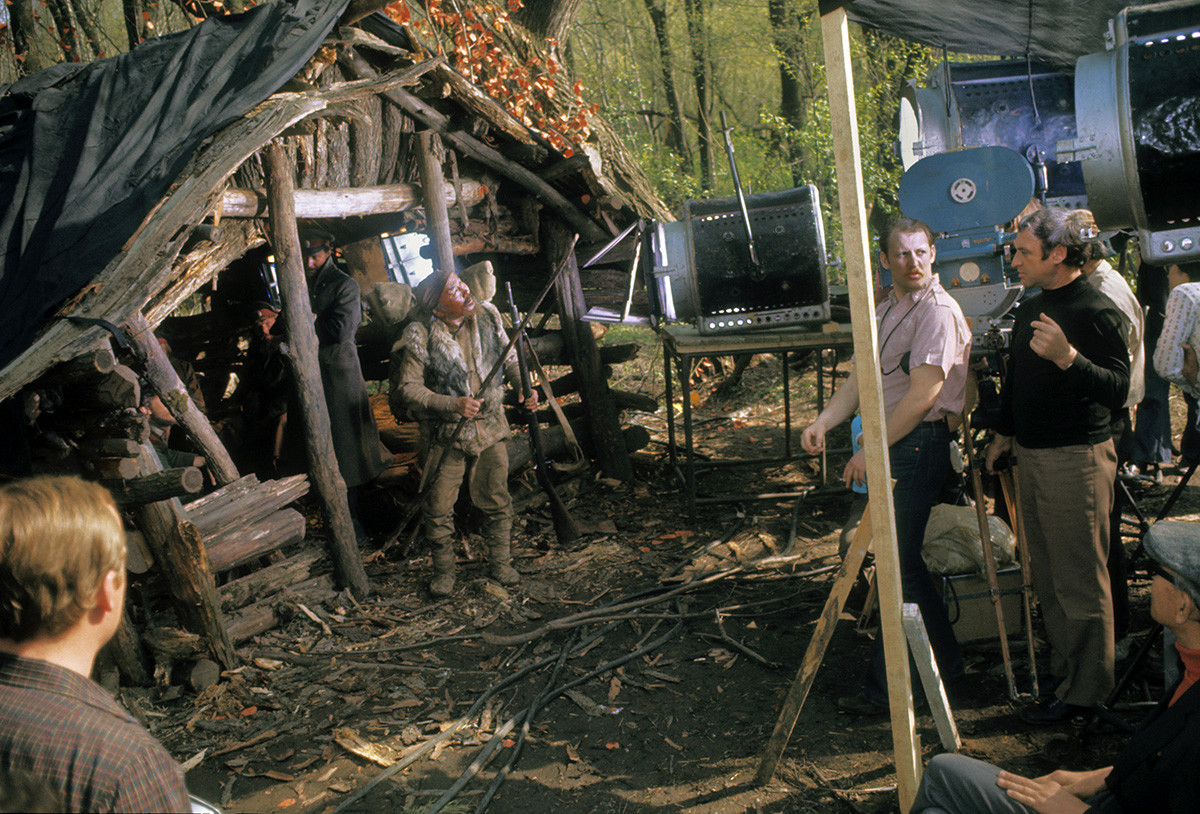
x=1157 y=771
x=62 y=595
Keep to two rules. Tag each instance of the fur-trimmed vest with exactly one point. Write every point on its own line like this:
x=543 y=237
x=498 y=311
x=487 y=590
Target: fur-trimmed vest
x=445 y=372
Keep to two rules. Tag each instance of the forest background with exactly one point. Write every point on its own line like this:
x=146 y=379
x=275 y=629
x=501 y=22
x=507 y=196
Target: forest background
x=660 y=71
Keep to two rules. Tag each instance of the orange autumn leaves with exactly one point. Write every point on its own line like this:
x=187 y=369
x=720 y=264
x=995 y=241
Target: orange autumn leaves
x=523 y=87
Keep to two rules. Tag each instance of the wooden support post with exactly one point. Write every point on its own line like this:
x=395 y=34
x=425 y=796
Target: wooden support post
x=183 y=562
x=794 y=702
x=433 y=197
x=835 y=34
x=302 y=358
x=580 y=347
x=175 y=398
x=931 y=679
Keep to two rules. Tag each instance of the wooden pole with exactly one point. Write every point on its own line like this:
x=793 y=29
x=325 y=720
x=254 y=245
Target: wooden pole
x=989 y=559
x=175 y=398
x=839 y=77
x=580 y=347
x=433 y=197
x=302 y=359
x=183 y=561
x=796 y=696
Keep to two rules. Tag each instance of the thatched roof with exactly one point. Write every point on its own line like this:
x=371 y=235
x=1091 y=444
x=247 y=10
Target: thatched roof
x=109 y=167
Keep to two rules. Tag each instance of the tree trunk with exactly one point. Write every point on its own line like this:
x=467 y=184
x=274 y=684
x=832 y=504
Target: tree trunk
x=786 y=28
x=548 y=19
x=182 y=560
x=302 y=340
x=433 y=194
x=698 y=42
x=132 y=10
x=585 y=357
x=27 y=43
x=675 y=139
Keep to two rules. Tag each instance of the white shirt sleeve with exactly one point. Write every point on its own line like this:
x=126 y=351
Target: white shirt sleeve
x=1182 y=320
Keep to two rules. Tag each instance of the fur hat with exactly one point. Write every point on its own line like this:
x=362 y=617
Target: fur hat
x=429 y=290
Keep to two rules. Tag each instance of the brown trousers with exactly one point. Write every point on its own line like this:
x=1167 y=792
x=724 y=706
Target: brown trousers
x=1066 y=495
x=487 y=482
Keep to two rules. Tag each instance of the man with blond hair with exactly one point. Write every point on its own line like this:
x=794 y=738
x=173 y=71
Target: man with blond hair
x=62 y=593
x=923 y=353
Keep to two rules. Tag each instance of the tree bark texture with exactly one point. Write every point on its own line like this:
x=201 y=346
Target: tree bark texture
x=433 y=195
x=675 y=139
x=549 y=19
x=581 y=348
x=302 y=358
x=697 y=28
x=184 y=564
x=786 y=29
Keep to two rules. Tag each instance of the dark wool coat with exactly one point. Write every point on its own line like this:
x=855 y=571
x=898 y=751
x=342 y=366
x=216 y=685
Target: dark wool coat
x=337 y=307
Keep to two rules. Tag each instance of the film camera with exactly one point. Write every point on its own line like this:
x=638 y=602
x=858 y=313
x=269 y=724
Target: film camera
x=1120 y=137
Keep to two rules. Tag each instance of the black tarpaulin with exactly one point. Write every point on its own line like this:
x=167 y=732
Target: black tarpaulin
x=86 y=151
x=1053 y=31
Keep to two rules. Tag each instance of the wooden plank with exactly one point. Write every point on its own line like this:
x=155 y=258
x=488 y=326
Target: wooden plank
x=302 y=340
x=262 y=616
x=251 y=505
x=214 y=500
x=164 y=485
x=87 y=367
x=931 y=679
x=835 y=34
x=115 y=468
x=580 y=347
x=241 y=545
x=433 y=197
x=238 y=593
x=798 y=692
x=344 y=203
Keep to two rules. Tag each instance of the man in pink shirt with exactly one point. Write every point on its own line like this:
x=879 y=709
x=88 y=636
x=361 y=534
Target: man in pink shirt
x=924 y=345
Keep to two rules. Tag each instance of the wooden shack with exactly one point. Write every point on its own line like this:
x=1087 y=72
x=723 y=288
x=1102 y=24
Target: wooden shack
x=375 y=133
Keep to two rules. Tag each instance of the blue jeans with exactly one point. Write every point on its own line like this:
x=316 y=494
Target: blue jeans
x=1152 y=430
x=920 y=465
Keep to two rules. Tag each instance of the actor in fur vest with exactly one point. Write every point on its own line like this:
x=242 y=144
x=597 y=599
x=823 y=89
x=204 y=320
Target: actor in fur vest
x=445 y=359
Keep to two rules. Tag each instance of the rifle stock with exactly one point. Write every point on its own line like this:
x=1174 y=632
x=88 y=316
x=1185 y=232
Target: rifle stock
x=565 y=528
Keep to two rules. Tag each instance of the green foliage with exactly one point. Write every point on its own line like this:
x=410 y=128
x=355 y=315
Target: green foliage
x=745 y=78
x=665 y=171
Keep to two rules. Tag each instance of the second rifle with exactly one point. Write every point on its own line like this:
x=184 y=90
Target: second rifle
x=565 y=528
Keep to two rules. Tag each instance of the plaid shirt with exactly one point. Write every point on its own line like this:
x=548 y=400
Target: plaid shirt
x=64 y=728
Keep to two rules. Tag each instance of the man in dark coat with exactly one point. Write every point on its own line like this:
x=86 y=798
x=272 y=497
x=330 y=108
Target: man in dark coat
x=337 y=307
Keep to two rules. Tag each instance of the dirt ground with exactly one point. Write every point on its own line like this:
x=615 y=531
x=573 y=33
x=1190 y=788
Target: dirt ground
x=639 y=669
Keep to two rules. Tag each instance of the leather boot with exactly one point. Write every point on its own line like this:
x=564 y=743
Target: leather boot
x=442 y=583
x=500 y=564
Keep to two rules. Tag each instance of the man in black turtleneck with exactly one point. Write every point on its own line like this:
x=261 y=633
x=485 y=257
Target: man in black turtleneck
x=1069 y=369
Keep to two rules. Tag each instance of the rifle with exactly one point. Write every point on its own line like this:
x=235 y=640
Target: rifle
x=564 y=525
x=431 y=475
